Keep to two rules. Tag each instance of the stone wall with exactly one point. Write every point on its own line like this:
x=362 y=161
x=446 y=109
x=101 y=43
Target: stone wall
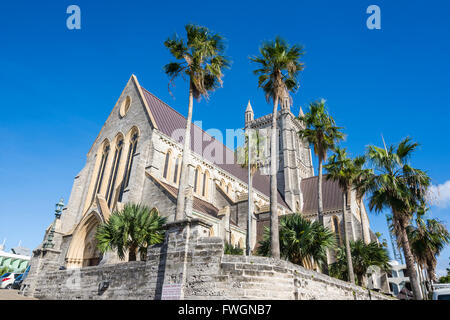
x=189 y=265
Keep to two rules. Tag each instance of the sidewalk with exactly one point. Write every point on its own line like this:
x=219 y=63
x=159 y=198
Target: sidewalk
x=6 y=294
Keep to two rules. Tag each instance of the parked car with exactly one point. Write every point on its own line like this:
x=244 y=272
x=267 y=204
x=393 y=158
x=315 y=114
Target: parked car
x=4 y=275
x=441 y=291
x=8 y=280
x=441 y=294
x=19 y=280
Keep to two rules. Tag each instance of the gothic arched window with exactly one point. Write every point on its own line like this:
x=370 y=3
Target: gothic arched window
x=176 y=173
x=114 y=169
x=101 y=171
x=196 y=179
x=129 y=163
x=167 y=163
x=205 y=184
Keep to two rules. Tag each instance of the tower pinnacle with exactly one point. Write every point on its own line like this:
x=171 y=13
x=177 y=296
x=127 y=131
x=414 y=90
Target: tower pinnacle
x=249 y=107
x=249 y=115
x=301 y=114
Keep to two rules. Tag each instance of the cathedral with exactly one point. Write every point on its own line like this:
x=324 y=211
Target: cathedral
x=136 y=158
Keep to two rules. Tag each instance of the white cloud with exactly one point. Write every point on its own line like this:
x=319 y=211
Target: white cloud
x=440 y=195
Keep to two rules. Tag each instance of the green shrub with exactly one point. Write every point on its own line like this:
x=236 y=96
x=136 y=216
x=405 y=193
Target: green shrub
x=229 y=249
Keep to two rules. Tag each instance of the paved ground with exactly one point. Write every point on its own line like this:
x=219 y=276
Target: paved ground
x=12 y=295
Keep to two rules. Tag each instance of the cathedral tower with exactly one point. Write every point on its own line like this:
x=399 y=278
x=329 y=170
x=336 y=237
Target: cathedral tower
x=294 y=155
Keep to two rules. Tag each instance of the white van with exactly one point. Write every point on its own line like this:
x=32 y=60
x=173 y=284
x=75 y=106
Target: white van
x=441 y=291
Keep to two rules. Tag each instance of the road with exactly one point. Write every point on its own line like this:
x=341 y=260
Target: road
x=6 y=294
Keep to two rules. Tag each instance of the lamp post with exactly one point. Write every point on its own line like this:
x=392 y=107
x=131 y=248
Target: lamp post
x=58 y=210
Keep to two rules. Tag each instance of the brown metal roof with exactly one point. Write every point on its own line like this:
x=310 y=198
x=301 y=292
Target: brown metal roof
x=198 y=204
x=169 y=120
x=331 y=195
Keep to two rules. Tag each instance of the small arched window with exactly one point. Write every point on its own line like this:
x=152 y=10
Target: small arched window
x=101 y=170
x=129 y=163
x=205 y=184
x=167 y=163
x=176 y=173
x=114 y=169
x=197 y=179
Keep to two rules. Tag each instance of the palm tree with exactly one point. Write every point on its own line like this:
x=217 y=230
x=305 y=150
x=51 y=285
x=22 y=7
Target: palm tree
x=230 y=249
x=201 y=60
x=427 y=238
x=278 y=68
x=345 y=171
x=321 y=133
x=363 y=256
x=401 y=188
x=132 y=229
x=252 y=153
x=5 y=269
x=446 y=278
x=360 y=186
x=302 y=241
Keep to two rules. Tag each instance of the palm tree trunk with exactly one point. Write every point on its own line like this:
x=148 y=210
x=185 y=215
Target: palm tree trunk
x=274 y=234
x=184 y=173
x=432 y=269
x=320 y=207
x=422 y=282
x=360 y=280
x=351 y=274
x=132 y=253
x=250 y=205
x=363 y=222
x=427 y=279
x=410 y=263
x=319 y=193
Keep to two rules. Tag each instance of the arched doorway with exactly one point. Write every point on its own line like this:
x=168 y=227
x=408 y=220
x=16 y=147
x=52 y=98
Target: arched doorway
x=83 y=250
x=91 y=255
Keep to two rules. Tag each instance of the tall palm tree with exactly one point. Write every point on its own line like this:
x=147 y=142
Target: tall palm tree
x=345 y=171
x=360 y=186
x=322 y=133
x=427 y=238
x=397 y=186
x=302 y=241
x=251 y=156
x=363 y=256
x=278 y=68
x=132 y=229
x=201 y=60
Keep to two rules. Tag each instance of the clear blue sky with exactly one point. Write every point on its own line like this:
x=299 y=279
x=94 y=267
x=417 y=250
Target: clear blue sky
x=58 y=86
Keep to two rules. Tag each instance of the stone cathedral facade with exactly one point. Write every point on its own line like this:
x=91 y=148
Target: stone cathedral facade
x=136 y=157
